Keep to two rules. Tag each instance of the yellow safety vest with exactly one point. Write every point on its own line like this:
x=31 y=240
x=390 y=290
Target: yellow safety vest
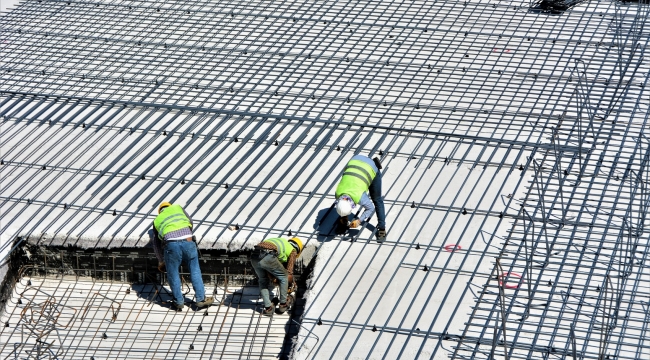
x=356 y=180
x=172 y=218
x=283 y=246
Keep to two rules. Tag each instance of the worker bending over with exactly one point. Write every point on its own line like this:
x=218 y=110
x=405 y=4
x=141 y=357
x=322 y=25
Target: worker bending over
x=270 y=258
x=174 y=243
x=360 y=177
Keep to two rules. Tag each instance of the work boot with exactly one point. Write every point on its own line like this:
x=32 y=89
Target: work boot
x=282 y=308
x=178 y=307
x=269 y=310
x=381 y=234
x=205 y=303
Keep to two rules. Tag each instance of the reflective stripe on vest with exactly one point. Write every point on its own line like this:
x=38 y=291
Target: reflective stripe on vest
x=356 y=179
x=283 y=246
x=171 y=219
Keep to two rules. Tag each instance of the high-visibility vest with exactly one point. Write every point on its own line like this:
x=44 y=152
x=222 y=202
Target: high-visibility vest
x=357 y=176
x=283 y=246
x=172 y=218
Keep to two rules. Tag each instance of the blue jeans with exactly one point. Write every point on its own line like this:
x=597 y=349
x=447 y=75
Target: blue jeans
x=266 y=262
x=177 y=252
x=375 y=195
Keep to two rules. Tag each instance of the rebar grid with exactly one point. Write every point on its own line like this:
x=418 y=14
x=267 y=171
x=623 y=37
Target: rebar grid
x=246 y=112
x=87 y=318
x=570 y=277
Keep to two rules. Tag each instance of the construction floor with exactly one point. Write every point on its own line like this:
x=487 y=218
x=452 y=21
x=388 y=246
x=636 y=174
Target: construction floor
x=77 y=318
x=516 y=170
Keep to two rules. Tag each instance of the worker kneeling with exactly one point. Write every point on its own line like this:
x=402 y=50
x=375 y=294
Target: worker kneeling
x=270 y=258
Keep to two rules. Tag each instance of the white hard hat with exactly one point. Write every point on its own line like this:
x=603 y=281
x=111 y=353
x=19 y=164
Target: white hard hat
x=343 y=207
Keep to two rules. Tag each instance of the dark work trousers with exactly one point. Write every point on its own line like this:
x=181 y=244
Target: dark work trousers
x=375 y=195
x=264 y=261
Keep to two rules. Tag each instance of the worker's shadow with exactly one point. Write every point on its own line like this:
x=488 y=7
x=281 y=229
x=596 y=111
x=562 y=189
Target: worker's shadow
x=246 y=297
x=155 y=294
x=158 y=295
x=325 y=224
x=327 y=227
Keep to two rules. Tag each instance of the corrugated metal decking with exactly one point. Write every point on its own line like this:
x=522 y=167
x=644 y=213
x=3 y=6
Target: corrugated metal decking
x=513 y=142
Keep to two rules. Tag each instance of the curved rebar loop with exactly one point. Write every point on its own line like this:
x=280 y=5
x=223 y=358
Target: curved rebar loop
x=112 y=307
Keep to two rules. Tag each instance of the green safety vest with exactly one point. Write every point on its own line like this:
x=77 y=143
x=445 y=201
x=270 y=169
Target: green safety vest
x=284 y=248
x=172 y=218
x=356 y=180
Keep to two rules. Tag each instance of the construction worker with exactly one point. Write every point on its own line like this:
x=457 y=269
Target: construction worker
x=269 y=260
x=174 y=243
x=360 y=177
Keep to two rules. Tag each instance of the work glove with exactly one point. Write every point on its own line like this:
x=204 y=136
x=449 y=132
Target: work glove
x=292 y=285
x=355 y=223
x=161 y=266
